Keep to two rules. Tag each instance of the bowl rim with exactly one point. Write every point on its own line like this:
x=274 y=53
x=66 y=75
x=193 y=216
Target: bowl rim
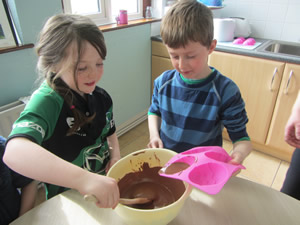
x=184 y=196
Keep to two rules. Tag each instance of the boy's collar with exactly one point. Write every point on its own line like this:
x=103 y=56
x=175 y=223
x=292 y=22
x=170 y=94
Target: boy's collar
x=196 y=81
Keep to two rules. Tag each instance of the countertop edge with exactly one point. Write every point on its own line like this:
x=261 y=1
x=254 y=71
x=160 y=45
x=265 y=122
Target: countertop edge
x=131 y=23
x=253 y=53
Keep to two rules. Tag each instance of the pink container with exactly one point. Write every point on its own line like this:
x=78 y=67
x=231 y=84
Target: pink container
x=249 y=41
x=123 y=17
x=206 y=168
x=239 y=41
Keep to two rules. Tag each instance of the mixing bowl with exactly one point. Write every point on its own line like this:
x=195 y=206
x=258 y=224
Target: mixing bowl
x=132 y=163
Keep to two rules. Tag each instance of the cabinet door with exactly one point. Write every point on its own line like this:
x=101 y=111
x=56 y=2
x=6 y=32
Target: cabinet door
x=159 y=65
x=159 y=49
x=160 y=60
x=287 y=95
x=259 y=81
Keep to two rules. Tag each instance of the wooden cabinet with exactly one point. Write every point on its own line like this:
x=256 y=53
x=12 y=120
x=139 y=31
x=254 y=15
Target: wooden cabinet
x=287 y=95
x=159 y=65
x=269 y=89
x=160 y=60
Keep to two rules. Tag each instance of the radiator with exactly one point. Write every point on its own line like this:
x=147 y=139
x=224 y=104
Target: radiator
x=8 y=114
x=131 y=123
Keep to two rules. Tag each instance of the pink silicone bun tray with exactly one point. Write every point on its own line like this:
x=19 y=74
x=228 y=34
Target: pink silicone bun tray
x=208 y=168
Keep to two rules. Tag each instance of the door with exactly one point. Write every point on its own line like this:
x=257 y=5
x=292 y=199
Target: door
x=288 y=93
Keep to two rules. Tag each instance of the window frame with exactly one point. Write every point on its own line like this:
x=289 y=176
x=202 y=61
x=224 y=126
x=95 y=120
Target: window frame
x=106 y=16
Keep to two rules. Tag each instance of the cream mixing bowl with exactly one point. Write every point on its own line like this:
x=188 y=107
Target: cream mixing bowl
x=134 y=162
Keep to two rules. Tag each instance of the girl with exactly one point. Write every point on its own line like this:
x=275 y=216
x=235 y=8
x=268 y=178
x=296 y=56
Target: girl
x=66 y=136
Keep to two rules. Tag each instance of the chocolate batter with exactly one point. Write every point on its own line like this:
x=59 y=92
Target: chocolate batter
x=148 y=183
x=176 y=167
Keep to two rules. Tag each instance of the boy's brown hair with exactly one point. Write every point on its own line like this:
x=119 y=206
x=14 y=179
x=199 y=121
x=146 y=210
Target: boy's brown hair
x=187 y=20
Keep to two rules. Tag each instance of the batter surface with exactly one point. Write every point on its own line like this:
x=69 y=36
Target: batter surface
x=148 y=183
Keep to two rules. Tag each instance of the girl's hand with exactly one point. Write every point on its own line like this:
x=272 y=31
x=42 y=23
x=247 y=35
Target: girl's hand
x=155 y=143
x=105 y=189
x=111 y=163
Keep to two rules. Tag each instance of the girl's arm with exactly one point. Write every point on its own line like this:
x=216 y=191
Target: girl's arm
x=154 y=127
x=32 y=160
x=114 y=147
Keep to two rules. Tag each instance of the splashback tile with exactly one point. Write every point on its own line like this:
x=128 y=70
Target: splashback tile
x=263 y=15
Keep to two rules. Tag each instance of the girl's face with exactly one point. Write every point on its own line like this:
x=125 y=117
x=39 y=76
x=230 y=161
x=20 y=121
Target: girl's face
x=88 y=72
x=191 y=61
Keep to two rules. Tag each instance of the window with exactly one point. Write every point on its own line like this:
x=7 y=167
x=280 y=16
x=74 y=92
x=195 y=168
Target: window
x=104 y=11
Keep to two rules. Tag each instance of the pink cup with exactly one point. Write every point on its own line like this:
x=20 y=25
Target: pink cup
x=123 y=17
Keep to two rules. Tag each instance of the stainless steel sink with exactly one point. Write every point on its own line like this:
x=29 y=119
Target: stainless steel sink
x=281 y=47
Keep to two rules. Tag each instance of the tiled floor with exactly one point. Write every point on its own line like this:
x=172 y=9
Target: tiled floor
x=260 y=168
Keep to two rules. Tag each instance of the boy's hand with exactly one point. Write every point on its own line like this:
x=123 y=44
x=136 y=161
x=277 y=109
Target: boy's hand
x=155 y=143
x=240 y=151
x=237 y=158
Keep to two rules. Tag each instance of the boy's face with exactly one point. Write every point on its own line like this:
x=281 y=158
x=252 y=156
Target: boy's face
x=191 y=61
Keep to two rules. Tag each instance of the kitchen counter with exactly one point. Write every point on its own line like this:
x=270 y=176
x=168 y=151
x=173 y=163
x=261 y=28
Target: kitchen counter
x=253 y=53
x=239 y=202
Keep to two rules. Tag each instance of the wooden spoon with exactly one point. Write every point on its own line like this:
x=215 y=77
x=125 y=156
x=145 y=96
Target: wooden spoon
x=124 y=201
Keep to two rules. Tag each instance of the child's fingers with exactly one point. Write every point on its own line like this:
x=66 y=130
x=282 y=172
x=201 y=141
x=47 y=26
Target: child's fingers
x=236 y=172
x=237 y=158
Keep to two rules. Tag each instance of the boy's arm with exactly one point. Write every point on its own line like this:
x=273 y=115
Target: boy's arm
x=241 y=149
x=28 y=197
x=154 y=127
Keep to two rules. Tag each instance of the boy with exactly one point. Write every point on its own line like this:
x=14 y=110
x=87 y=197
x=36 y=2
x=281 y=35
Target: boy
x=12 y=202
x=191 y=104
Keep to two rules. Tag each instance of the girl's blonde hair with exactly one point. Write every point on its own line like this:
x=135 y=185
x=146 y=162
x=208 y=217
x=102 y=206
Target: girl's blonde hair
x=187 y=20
x=60 y=37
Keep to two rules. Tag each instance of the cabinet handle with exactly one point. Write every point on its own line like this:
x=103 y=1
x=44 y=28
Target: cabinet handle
x=288 y=82
x=273 y=77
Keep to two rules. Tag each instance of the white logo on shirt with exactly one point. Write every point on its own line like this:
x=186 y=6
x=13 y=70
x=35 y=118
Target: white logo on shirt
x=70 y=122
x=90 y=157
x=31 y=125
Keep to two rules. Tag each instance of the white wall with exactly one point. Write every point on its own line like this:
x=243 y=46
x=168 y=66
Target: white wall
x=127 y=71
x=271 y=19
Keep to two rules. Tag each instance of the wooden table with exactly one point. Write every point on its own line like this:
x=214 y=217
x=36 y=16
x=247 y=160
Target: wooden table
x=240 y=202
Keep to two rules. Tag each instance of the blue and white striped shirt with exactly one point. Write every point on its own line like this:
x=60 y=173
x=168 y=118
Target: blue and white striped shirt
x=195 y=114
